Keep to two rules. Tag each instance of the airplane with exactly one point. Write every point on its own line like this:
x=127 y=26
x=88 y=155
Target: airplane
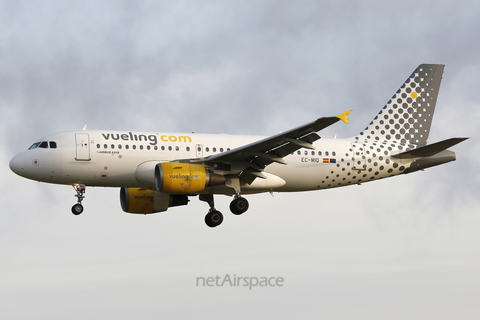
x=158 y=170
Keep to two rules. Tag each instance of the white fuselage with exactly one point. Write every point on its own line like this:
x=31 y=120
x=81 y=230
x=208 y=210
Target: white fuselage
x=110 y=159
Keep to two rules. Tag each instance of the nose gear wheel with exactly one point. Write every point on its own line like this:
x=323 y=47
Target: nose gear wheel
x=80 y=190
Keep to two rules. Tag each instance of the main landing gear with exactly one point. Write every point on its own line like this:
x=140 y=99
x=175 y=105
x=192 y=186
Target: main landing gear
x=239 y=205
x=80 y=190
x=214 y=217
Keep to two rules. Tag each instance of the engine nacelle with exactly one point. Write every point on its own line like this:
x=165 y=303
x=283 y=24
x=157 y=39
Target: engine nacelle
x=144 y=201
x=185 y=178
x=145 y=174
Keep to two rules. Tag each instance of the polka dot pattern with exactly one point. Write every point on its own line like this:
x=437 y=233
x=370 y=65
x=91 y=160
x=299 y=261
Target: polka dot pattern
x=403 y=124
x=407 y=117
x=362 y=162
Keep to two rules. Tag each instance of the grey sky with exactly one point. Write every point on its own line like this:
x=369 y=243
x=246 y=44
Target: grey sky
x=406 y=247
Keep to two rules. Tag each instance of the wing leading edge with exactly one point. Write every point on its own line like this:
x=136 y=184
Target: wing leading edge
x=250 y=160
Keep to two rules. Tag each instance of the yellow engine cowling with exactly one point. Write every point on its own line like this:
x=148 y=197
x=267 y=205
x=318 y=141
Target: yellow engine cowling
x=184 y=178
x=144 y=201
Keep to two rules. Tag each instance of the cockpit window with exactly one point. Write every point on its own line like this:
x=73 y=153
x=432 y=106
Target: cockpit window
x=44 y=144
x=34 y=145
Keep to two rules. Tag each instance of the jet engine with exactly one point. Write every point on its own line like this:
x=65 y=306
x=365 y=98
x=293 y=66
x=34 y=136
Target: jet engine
x=185 y=178
x=144 y=201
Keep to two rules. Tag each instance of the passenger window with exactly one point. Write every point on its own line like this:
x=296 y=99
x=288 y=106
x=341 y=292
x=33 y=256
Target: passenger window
x=98 y=145
x=319 y=153
x=119 y=146
x=169 y=148
x=207 y=149
x=326 y=153
x=188 y=148
x=298 y=152
x=221 y=149
x=177 y=148
x=306 y=153
x=156 y=148
x=43 y=144
x=53 y=145
x=113 y=147
x=141 y=147
x=134 y=147
x=126 y=146
x=163 y=148
x=334 y=154
x=214 y=149
x=105 y=146
x=148 y=147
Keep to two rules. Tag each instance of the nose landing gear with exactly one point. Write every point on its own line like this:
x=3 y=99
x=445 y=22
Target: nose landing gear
x=80 y=190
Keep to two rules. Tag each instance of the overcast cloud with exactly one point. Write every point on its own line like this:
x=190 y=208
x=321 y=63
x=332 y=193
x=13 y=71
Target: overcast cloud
x=406 y=247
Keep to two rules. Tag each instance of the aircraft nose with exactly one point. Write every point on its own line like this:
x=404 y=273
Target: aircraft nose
x=17 y=164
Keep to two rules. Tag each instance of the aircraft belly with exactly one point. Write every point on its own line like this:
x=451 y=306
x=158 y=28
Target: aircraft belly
x=99 y=171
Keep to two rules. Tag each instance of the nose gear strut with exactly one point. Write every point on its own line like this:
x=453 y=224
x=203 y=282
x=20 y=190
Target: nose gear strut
x=80 y=190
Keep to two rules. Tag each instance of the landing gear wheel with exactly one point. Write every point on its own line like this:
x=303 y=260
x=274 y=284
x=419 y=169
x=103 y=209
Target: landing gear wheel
x=80 y=190
x=239 y=205
x=77 y=209
x=213 y=218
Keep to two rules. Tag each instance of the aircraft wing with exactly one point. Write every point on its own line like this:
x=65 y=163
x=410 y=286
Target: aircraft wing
x=251 y=159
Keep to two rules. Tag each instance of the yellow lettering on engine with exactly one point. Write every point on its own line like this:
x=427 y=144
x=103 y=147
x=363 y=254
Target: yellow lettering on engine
x=140 y=200
x=183 y=178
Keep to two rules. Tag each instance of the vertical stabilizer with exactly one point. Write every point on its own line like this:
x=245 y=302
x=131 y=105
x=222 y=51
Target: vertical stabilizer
x=407 y=117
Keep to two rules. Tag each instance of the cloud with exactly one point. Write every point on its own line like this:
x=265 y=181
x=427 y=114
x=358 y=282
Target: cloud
x=377 y=250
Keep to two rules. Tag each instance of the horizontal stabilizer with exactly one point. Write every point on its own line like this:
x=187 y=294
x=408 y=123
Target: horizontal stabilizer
x=429 y=150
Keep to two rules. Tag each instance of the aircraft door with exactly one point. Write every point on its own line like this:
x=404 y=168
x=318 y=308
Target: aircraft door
x=199 y=150
x=359 y=160
x=82 y=147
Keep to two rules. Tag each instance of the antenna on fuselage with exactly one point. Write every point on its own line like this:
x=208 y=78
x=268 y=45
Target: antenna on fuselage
x=84 y=128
